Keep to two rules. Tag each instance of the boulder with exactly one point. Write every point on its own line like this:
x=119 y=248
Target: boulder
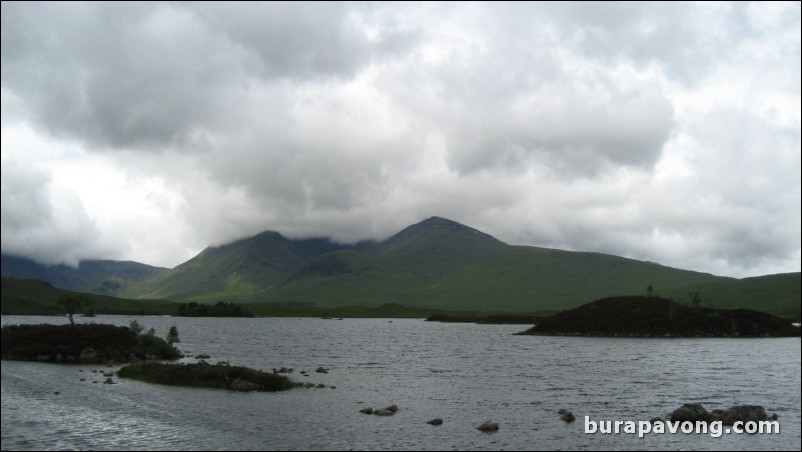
x=567 y=416
x=108 y=381
x=321 y=370
x=690 y=412
x=488 y=426
x=243 y=385
x=744 y=413
x=435 y=421
x=366 y=411
x=383 y=413
x=392 y=408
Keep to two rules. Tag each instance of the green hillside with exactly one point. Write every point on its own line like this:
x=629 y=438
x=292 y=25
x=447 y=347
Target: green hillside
x=235 y=271
x=441 y=265
x=33 y=297
x=778 y=294
x=102 y=277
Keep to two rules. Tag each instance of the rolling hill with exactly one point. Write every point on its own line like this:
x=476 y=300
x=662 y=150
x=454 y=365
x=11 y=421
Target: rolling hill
x=34 y=297
x=442 y=265
x=101 y=277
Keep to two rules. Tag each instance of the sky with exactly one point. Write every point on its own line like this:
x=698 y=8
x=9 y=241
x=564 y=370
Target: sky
x=665 y=132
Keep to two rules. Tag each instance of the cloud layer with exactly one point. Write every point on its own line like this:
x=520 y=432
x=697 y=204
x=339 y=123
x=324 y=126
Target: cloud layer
x=667 y=132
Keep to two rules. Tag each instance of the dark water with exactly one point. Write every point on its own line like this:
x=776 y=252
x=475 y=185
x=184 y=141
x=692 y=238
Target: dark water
x=462 y=373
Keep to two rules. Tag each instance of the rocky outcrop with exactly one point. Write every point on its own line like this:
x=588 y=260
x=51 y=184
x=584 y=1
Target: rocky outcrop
x=691 y=412
x=88 y=356
x=243 y=385
x=695 y=412
x=488 y=427
x=744 y=413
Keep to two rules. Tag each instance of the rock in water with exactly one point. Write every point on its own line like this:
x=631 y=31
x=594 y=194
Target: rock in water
x=567 y=416
x=488 y=426
x=690 y=412
x=436 y=421
x=745 y=413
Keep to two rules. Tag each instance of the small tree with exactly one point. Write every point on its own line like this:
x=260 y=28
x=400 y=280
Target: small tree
x=72 y=303
x=172 y=336
x=135 y=327
x=696 y=299
x=649 y=290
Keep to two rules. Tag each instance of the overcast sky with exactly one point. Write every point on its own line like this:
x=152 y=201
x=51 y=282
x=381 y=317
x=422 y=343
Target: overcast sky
x=148 y=131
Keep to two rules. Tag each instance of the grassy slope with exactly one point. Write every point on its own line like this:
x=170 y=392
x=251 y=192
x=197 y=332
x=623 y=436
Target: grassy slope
x=31 y=297
x=441 y=269
x=777 y=294
x=439 y=265
x=231 y=272
x=102 y=277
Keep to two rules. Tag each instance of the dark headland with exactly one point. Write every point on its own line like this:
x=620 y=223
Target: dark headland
x=640 y=316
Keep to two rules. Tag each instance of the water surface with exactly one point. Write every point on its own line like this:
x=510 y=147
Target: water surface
x=462 y=373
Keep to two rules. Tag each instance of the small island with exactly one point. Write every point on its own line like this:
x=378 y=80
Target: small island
x=83 y=343
x=204 y=375
x=649 y=316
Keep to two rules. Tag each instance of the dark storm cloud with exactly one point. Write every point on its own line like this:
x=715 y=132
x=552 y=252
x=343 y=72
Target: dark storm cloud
x=160 y=75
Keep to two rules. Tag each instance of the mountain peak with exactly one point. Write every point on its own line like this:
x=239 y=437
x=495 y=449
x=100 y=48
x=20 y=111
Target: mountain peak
x=437 y=230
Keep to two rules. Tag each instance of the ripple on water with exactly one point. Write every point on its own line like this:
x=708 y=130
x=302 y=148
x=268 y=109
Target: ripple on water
x=464 y=374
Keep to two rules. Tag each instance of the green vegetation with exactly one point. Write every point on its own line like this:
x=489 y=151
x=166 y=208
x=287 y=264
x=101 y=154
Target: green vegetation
x=203 y=375
x=100 y=277
x=656 y=316
x=434 y=266
x=221 y=309
x=81 y=343
x=172 y=336
x=73 y=303
x=31 y=297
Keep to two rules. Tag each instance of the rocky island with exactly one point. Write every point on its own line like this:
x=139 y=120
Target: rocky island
x=640 y=316
x=82 y=343
x=204 y=375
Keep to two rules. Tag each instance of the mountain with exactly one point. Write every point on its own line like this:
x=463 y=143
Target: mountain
x=237 y=271
x=437 y=264
x=102 y=277
x=34 y=297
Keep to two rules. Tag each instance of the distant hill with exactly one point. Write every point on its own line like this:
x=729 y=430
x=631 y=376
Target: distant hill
x=661 y=317
x=436 y=264
x=34 y=297
x=102 y=277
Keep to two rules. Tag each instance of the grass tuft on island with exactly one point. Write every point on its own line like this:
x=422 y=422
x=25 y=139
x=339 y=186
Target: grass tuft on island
x=81 y=343
x=203 y=375
x=660 y=317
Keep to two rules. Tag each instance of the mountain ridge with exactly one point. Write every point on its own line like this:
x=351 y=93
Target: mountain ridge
x=436 y=263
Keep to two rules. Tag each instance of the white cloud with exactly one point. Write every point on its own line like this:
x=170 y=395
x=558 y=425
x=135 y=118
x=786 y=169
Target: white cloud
x=665 y=132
